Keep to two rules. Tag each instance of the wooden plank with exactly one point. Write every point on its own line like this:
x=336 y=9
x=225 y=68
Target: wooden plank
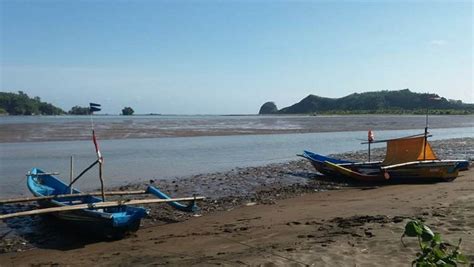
x=110 y=193
x=97 y=205
x=404 y=164
x=417 y=162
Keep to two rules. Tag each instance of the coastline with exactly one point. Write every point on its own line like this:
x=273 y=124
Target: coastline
x=284 y=196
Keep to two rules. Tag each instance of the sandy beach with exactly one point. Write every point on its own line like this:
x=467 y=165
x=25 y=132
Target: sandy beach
x=259 y=219
x=349 y=227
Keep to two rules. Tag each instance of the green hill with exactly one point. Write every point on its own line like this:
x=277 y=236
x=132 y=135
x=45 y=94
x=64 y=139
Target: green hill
x=381 y=102
x=21 y=104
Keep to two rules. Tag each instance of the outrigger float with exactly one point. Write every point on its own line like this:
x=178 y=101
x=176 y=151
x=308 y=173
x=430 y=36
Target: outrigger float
x=87 y=211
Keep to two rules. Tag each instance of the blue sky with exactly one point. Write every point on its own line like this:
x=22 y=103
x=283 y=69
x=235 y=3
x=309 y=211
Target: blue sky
x=221 y=57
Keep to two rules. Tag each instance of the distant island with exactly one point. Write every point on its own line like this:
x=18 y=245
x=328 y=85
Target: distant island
x=381 y=102
x=21 y=104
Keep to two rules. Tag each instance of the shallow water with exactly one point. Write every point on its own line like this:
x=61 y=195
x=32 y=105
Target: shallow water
x=138 y=160
x=71 y=128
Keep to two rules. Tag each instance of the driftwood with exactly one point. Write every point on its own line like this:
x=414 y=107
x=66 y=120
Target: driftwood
x=110 y=193
x=97 y=205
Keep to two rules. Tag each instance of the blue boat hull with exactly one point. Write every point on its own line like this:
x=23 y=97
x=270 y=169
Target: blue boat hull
x=318 y=162
x=111 y=222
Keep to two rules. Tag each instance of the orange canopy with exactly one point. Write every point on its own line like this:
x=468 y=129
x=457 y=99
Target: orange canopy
x=408 y=149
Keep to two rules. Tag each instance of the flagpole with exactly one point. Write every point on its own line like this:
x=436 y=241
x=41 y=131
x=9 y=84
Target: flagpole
x=370 y=139
x=436 y=98
x=96 y=107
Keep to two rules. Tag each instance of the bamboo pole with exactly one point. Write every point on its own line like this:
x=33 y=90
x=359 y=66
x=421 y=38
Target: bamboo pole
x=369 y=149
x=101 y=180
x=97 y=205
x=404 y=164
x=110 y=193
x=71 y=173
x=394 y=139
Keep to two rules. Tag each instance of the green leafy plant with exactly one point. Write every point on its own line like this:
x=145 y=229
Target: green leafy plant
x=434 y=252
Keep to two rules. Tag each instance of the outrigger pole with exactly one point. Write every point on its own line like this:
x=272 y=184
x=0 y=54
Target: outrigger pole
x=74 y=195
x=97 y=205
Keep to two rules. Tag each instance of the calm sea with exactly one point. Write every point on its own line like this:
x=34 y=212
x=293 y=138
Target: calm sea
x=140 y=159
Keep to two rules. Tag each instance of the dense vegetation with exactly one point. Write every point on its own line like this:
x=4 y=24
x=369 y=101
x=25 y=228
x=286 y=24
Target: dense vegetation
x=381 y=102
x=127 y=111
x=77 y=110
x=21 y=104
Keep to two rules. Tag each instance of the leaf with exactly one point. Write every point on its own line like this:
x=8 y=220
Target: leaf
x=413 y=229
x=450 y=262
x=437 y=239
x=424 y=264
x=427 y=234
x=439 y=253
x=461 y=258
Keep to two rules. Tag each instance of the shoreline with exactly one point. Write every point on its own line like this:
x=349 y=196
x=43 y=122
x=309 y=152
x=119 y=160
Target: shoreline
x=241 y=188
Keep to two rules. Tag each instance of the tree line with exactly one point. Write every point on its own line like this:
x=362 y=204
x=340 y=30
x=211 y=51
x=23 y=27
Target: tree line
x=21 y=104
x=381 y=102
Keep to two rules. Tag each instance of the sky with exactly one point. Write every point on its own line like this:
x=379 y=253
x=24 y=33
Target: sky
x=229 y=57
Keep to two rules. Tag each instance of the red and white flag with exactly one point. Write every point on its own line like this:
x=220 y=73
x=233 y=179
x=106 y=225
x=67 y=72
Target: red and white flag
x=97 y=151
x=370 y=136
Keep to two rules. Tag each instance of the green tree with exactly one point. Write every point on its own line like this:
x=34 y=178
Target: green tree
x=127 y=111
x=21 y=104
x=77 y=110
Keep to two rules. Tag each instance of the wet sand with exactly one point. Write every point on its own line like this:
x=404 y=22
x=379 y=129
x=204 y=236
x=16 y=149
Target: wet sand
x=260 y=217
x=70 y=128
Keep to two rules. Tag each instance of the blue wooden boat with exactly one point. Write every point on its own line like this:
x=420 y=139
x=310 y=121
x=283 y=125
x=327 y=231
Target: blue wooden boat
x=407 y=159
x=320 y=163
x=111 y=222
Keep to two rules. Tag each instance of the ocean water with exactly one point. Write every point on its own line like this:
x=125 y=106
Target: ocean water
x=72 y=128
x=134 y=160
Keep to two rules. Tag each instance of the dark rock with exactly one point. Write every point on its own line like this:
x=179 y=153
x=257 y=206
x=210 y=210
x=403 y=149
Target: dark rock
x=268 y=108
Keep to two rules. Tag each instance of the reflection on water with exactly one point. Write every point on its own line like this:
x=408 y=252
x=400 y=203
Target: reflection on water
x=134 y=160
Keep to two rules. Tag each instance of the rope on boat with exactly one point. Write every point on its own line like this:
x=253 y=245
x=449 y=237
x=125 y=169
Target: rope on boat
x=84 y=171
